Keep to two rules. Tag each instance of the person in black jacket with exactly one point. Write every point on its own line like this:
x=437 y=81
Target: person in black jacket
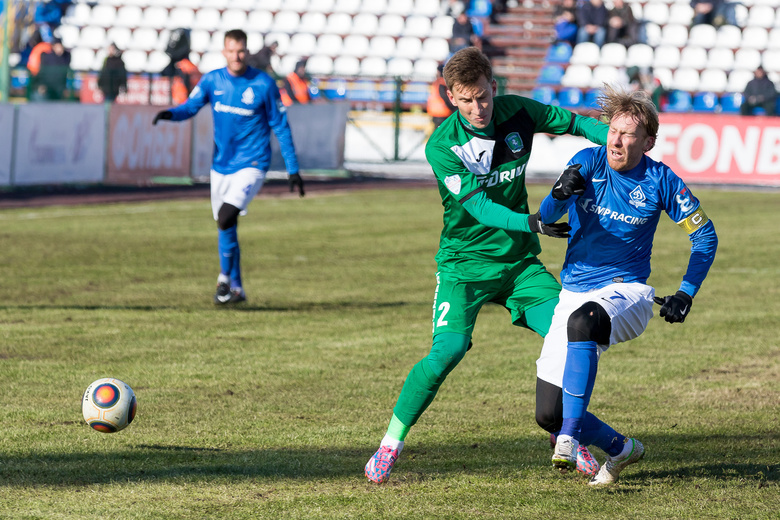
x=760 y=92
x=113 y=75
x=592 y=22
x=52 y=80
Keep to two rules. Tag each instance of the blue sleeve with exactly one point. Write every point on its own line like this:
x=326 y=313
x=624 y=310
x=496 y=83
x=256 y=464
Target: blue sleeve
x=704 y=244
x=276 y=114
x=197 y=100
x=491 y=214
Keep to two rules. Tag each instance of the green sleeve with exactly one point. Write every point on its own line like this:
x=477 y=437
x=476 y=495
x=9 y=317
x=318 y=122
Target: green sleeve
x=592 y=129
x=491 y=214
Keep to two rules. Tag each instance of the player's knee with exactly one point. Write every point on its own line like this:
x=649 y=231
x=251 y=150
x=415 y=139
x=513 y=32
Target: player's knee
x=227 y=217
x=447 y=351
x=589 y=323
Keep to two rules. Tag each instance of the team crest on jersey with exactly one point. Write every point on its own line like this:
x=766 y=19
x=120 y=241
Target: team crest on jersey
x=514 y=142
x=638 y=198
x=684 y=201
x=248 y=97
x=453 y=184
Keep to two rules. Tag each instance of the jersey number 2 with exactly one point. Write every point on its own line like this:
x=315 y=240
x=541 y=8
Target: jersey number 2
x=444 y=308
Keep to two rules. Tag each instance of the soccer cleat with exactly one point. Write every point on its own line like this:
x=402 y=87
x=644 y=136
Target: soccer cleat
x=633 y=451
x=381 y=464
x=565 y=455
x=586 y=463
x=226 y=295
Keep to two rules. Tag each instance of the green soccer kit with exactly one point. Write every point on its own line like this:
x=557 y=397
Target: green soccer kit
x=486 y=251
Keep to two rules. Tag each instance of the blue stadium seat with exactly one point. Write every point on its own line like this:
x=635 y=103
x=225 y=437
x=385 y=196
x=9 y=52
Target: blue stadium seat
x=591 y=99
x=543 y=94
x=415 y=92
x=705 y=102
x=558 y=53
x=551 y=75
x=570 y=98
x=730 y=103
x=679 y=101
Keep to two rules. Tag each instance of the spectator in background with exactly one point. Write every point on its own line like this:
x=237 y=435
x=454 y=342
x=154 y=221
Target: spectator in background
x=565 y=16
x=295 y=87
x=185 y=76
x=463 y=34
x=52 y=80
x=642 y=78
x=592 y=21
x=113 y=76
x=439 y=106
x=622 y=27
x=37 y=48
x=48 y=16
x=262 y=59
x=760 y=92
x=713 y=12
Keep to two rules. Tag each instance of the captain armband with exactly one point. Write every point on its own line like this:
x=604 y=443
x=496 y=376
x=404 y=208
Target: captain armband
x=694 y=221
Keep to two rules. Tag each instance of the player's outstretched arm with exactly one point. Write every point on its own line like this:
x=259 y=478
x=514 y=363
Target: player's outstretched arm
x=492 y=214
x=163 y=114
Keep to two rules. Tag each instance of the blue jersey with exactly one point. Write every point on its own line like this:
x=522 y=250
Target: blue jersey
x=614 y=221
x=245 y=110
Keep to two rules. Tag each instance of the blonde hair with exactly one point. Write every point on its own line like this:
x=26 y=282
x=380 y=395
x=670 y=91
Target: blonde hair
x=466 y=67
x=636 y=104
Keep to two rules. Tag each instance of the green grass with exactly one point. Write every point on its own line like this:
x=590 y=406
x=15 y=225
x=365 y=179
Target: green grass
x=271 y=410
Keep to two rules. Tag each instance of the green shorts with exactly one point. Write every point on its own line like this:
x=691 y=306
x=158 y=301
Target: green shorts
x=464 y=286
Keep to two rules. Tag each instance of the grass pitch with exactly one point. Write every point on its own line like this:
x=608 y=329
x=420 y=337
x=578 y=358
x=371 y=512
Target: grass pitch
x=272 y=409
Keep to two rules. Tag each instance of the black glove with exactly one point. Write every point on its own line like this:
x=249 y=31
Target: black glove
x=296 y=180
x=165 y=114
x=558 y=230
x=674 y=308
x=569 y=183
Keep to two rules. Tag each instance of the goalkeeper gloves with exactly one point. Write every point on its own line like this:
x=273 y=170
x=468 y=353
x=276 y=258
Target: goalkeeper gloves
x=559 y=230
x=165 y=114
x=296 y=180
x=674 y=309
x=569 y=183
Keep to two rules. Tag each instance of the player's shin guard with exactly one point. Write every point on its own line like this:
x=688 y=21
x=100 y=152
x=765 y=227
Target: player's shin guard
x=579 y=376
x=228 y=249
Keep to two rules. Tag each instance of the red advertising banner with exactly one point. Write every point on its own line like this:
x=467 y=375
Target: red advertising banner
x=720 y=149
x=137 y=90
x=138 y=151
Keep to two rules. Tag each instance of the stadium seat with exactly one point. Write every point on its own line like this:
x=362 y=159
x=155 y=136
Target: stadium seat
x=570 y=98
x=550 y=75
x=679 y=101
x=428 y=8
x=544 y=94
x=639 y=55
x=211 y=61
x=206 y=19
x=321 y=6
x=730 y=103
x=663 y=75
x=770 y=59
x=302 y=44
x=347 y=6
x=685 y=78
x=441 y=27
x=577 y=76
x=703 y=35
x=408 y=47
x=607 y=74
x=714 y=80
x=755 y=38
x=298 y=6
x=705 y=102
x=69 y=35
x=674 y=34
x=260 y=21
x=355 y=45
x=613 y=54
x=287 y=64
x=254 y=41
x=425 y=69
x=217 y=41
x=377 y=7
x=400 y=7
x=728 y=37
x=234 y=19
x=157 y=61
x=558 y=53
x=693 y=57
x=747 y=59
x=365 y=24
x=102 y=15
x=135 y=60
x=738 y=80
x=180 y=17
x=681 y=13
x=144 y=38
x=200 y=40
x=417 y=26
x=590 y=101
x=120 y=36
x=761 y=16
x=400 y=67
x=373 y=66
x=720 y=58
x=381 y=46
x=390 y=25
x=154 y=16
x=653 y=34
x=329 y=45
x=77 y=14
x=666 y=56
x=774 y=38
x=435 y=49
x=286 y=22
x=346 y=66
x=656 y=12
x=282 y=39
x=338 y=23
x=319 y=66
x=81 y=59
x=128 y=16
x=92 y=37
x=585 y=53
x=313 y=23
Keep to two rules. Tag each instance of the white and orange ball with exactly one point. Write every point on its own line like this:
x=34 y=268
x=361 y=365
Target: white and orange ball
x=108 y=405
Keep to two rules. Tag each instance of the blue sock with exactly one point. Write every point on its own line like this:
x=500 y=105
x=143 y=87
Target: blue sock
x=579 y=375
x=228 y=246
x=599 y=433
x=235 y=271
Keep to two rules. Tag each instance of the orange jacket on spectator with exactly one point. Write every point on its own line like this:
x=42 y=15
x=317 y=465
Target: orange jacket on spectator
x=438 y=106
x=300 y=90
x=179 y=90
x=34 y=61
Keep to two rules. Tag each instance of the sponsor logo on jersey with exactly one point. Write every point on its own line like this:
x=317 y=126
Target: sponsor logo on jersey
x=514 y=142
x=586 y=206
x=195 y=91
x=248 y=97
x=496 y=177
x=637 y=198
x=453 y=184
x=684 y=200
x=219 y=107
x=219 y=92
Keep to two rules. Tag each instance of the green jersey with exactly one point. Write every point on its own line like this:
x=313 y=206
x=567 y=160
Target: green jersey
x=467 y=161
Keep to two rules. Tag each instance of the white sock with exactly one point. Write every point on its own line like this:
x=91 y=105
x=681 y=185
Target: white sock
x=223 y=278
x=393 y=443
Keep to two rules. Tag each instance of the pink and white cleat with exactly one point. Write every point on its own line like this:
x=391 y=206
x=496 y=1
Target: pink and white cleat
x=381 y=464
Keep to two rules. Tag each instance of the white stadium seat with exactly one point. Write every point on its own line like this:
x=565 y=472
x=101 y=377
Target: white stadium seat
x=120 y=36
x=302 y=44
x=102 y=15
x=234 y=19
x=653 y=34
x=373 y=66
x=728 y=37
x=313 y=23
x=254 y=41
x=674 y=34
x=667 y=57
x=200 y=40
x=77 y=14
x=355 y=45
x=607 y=74
x=428 y=8
x=400 y=7
x=92 y=37
x=693 y=58
x=738 y=80
x=128 y=16
x=286 y=22
x=81 y=59
x=321 y=6
x=681 y=13
x=338 y=23
x=400 y=67
x=578 y=76
x=377 y=7
x=585 y=53
x=656 y=12
x=771 y=60
x=346 y=66
x=153 y=17
x=180 y=17
x=211 y=61
x=69 y=35
x=217 y=41
x=435 y=48
x=703 y=35
x=282 y=39
x=390 y=25
x=319 y=66
x=686 y=79
x=664 y=75
x=206 y=19
x=441 y=27
x=639 y=55
x=747 y=59
x=157 y=61
x=143 y=38
x=720 y=58
x=347 y=6
x=381 y=46
x=755 y=38
x=425 y=69
x=613 y=54
x=761 y=16
x=365 y=24
x=408 y=47
x=418 y=26
x=135 y=60
x=329 y=45
x=260 y=21
x=713 y=80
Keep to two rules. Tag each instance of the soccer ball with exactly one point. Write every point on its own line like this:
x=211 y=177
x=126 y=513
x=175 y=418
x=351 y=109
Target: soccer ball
x=108 y=405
